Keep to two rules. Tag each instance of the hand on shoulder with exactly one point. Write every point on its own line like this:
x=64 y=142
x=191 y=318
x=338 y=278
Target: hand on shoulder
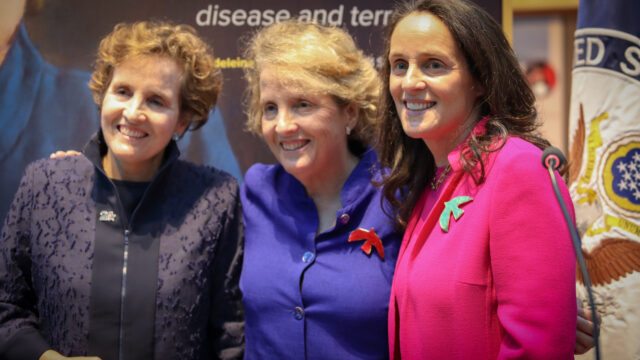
x=54 y=355
x=61 y=154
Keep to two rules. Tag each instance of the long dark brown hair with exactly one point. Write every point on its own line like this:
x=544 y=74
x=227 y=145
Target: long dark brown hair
x=507 y=101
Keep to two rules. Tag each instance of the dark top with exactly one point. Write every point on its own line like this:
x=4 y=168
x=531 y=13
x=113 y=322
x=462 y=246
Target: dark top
x=130 y=193
x=65 y=244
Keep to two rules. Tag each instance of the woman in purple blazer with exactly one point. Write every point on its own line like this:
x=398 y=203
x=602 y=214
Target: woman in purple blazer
x=319 y=251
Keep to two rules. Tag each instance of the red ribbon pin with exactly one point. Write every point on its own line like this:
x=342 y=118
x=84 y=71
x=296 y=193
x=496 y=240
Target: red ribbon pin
x=372 y=239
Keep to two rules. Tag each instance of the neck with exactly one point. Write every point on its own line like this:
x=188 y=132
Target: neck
x=3 y=54
x=330 y=182
x=326 y=191
x=5 y=44
x=118 y=170
x=441 y=146
x=4 y=49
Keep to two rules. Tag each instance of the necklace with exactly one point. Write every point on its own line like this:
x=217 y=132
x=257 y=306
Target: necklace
x=434 y=183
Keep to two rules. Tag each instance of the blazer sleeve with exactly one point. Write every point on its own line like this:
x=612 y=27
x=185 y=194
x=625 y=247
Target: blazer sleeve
x=227 y=317
x=19 y=334
x=532 y=262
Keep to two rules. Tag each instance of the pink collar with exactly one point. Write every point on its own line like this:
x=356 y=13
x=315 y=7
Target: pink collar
x=454 y=156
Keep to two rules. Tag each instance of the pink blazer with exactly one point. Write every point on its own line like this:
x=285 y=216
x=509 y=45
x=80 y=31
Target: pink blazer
x=500 y=284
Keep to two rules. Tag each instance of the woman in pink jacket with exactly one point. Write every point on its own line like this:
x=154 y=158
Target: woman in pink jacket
x=486 y=269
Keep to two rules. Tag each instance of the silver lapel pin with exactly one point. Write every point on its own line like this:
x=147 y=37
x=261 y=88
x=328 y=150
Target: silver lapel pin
x=107 y=216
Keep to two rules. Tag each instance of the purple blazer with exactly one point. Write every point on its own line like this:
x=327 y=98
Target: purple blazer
x=309 y=296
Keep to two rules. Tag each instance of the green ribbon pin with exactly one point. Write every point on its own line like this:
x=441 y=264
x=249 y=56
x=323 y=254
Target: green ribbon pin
x=452 y=207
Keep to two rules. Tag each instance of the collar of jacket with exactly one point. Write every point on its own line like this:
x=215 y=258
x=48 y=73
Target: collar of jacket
x=96 y=148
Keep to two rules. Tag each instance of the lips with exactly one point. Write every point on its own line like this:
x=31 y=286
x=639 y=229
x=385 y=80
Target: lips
x=418 y=105
x=127 y=131
x=293 y=145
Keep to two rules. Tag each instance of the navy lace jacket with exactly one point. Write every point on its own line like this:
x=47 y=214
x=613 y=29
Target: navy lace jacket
x=62 y=257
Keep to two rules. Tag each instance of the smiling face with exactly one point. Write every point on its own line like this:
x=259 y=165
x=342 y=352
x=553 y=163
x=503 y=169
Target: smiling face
x=140 y=113
x=305 y=131
x=432 y=88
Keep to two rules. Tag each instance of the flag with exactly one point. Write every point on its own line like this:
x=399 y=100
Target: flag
x=604 y=178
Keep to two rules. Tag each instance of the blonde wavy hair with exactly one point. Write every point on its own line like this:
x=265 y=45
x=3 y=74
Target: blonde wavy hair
x=201 y=80
x=318 y=59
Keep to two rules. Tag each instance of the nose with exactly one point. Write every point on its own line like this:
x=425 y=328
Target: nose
x=132 y=109
x=413 y=79
x=285 y=123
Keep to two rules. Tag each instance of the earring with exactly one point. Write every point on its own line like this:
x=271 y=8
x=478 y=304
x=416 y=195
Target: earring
x=175 y=136
x=348 y=130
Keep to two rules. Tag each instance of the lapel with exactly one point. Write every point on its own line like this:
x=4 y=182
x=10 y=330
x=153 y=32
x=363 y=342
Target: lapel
x=449 y=186
x=432 y=218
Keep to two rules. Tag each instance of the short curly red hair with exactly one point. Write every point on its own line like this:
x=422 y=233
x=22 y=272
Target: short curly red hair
x=201 y=82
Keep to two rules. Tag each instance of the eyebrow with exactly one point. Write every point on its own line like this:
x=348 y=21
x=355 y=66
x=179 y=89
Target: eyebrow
x=262 y=101
x=442 y=56
x=395 y=54
x=158 y=91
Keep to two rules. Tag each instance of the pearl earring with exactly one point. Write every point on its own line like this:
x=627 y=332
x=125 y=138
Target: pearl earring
x=176 y=136
x=348 y=130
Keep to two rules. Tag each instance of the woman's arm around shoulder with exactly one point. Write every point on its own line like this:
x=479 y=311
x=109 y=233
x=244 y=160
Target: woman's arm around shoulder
x=227 y=316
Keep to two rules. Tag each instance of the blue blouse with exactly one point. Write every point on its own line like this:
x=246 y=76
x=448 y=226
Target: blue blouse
x=308 y=296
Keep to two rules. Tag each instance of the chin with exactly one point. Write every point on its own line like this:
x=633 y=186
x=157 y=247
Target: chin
x=124 y=154
x=415 y=132
x=296 y=169
x=292 y=168
x=127 y=158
